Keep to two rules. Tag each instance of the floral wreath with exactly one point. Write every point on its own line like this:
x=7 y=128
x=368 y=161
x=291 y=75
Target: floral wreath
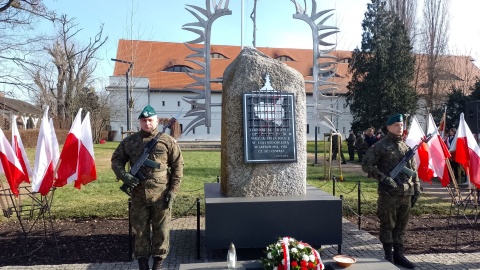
x=289 y=254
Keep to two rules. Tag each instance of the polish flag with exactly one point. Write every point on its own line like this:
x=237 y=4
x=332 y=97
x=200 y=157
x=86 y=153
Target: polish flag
x=438 y=154
x=467 y=152
x=43 y=171
x=19 y=151
x=422 y=156
x=10 y=165
x=67 y=167
x=86 y=170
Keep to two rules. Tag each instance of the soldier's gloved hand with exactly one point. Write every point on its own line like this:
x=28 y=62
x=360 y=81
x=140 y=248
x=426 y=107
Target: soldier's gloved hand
x=415 y=195
x=170 y=198
x=130 y=180
x=388 y=181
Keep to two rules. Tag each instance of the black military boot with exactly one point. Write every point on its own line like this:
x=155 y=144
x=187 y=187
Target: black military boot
x=143 y=263
x=157 y=263
x=399 y=259
x=388 y=252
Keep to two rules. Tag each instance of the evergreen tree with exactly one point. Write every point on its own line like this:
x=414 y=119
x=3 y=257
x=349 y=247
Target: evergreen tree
x=382 y=71
x=475 y=95
x=455 y=106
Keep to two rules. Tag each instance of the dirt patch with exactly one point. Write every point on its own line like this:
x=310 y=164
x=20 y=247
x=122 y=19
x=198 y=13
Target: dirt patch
x=434 y=234
x=79 y=241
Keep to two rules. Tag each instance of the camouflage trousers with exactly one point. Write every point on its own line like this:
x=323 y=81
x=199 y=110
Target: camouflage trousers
x=393 y=212
x=152 y=229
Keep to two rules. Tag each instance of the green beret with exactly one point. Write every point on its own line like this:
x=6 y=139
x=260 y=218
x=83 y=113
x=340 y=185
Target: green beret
x=147 y=112
x=394 y=119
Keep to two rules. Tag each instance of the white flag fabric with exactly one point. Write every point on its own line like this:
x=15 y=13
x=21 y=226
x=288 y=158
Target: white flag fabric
x=43 y=171
x=55 y=146
x=438 y=154
x=415 y=135
x=9 y=164
x=67 y=169
x=19 y=150
x=467 y=152
x=86 y=170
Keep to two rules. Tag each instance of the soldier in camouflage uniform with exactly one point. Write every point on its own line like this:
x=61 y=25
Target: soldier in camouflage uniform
x=394 y=199
x=152 y=197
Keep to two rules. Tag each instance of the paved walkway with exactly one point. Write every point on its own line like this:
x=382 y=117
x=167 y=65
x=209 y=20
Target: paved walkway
x=357 y=243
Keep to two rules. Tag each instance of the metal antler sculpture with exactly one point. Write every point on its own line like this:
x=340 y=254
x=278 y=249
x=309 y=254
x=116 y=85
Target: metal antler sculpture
x=203 y=27
x=322 y=71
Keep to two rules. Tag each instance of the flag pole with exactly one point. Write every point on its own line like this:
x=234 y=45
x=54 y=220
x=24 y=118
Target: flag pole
x=2 y=203
x=241 y=26
x=454 y=181
x=7 y=195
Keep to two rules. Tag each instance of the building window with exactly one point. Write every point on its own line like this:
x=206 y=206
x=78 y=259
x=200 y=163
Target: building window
x=177 y=68
x=193 y=131
x=345 y=60
x=181 y=128
x=178 y=103
x=193 y=106
x=163 y=102
x=217 y=56
x=308 y=129
x=284 y=58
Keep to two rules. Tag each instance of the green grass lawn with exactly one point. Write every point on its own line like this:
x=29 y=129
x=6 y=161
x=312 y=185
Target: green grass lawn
x=102 y=198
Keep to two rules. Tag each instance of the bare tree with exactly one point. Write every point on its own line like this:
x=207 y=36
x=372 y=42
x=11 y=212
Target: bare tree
x=73 y=70
x=406 y=11
x=19 y=43
x=97 y=105
x=434 y=44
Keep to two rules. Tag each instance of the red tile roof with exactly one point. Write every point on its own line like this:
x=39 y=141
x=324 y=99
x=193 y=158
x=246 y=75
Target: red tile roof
x=151 y=58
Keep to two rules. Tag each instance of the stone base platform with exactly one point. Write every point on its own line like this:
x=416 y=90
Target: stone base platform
x=361 y=264
x=255 y=222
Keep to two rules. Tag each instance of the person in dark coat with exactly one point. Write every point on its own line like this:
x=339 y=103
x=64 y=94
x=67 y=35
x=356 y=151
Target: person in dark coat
x=360 y=145
x=351 y=145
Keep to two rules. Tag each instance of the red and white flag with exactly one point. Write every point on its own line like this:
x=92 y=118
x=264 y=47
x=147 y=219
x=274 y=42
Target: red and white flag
x=422 y=156
x=9 y=164
x=19 y=151
x=86 y=170
x=67 y=167
x=43 y=171
x=438 y=154
x=467 y=152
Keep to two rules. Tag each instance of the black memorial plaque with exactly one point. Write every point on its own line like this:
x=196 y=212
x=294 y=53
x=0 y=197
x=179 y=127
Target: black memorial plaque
x=269 y=127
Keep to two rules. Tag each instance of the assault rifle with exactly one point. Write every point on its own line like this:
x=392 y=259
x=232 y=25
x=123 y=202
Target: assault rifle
x=143 y=160
x=409 y=155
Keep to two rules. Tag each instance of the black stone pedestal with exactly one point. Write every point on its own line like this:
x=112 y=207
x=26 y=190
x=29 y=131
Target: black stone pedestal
x=255 y=222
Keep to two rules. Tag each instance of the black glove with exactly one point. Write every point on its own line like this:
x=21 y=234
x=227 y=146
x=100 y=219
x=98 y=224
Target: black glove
x=415 y=195
x=388 y=181
x=170 y=198
x=130 y=180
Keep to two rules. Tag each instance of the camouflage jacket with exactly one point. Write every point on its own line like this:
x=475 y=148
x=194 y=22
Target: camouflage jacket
x=382 y=157
x=167 y=155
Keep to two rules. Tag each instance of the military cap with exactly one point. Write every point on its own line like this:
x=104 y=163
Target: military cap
x=394 y=119
x=147 y=112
